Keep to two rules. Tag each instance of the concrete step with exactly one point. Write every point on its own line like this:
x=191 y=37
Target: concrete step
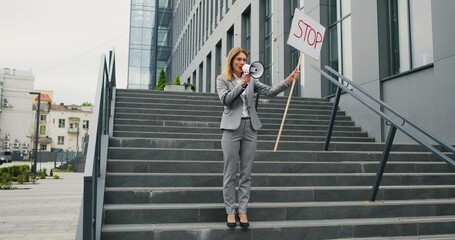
x=135 y=153
x=133 y=195
x=216 y=125
x=420 y=237
x=276 y=211
x=289 y=230
x=301 y=108
x=217 y=136
x=186 y=166
x=146 y=94
x=277 y=179
x=198 y=112
x=217 y=119
x=262 y=144
x=290 y=132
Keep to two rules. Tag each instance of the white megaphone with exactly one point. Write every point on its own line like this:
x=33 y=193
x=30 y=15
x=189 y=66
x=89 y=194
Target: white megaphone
x=256 y=69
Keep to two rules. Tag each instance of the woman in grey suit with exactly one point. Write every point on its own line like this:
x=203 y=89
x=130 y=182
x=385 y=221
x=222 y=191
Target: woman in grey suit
x=239 y=124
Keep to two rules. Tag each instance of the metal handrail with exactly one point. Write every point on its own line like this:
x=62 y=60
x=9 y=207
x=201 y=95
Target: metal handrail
x=100 y=126
x=383 y=104
x=393 y=126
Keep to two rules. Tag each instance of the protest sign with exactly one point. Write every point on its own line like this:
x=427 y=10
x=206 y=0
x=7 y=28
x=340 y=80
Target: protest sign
x=306 y=34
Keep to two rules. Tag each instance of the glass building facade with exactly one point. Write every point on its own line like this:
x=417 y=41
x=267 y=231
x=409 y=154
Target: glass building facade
x=149 y=45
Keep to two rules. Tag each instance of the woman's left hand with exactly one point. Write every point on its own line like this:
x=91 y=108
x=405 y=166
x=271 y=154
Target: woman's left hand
x=293 y=76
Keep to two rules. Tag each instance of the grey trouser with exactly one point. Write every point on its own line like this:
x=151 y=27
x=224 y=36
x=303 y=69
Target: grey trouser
x=239 y=147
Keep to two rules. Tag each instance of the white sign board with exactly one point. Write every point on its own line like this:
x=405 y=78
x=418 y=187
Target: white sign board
x=306 y=34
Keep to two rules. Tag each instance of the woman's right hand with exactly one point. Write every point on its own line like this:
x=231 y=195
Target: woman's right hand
x=245 y=79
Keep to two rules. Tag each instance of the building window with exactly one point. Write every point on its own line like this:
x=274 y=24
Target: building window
x=74 y=126
x=85 y=124
x=226 y=6
x=61 y=123
x=246 y=30
x=43 y=117
x=42 y=130
x=207 y=12
x=221 y=9
x=340 y=53
x=219 y=57
x=196 y=33
x=216 y=13
x=200 y=77
x=42 y=147
x=410 y=35
x=229 y=39
x=163 y=38
x=211 y=17
x=295 y=53
x=61 y=140
x=208 y=73
x=268 y=43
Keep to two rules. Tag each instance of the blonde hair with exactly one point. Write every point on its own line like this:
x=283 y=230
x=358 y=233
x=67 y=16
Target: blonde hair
x=227 y=73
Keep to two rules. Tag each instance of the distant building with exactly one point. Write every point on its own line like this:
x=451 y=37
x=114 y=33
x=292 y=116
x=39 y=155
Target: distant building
x=67 y=125
x=61 y=127
x=150 y=42
x=16 y=115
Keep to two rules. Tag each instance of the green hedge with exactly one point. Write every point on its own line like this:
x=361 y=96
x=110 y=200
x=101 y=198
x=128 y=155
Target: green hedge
x=17 y=173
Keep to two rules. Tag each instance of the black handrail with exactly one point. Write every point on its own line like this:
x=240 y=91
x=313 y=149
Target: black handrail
x=100 y=126
x=393 y=126
x=403 y=118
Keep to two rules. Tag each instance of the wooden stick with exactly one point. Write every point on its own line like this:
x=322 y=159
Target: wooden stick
x=287 y=107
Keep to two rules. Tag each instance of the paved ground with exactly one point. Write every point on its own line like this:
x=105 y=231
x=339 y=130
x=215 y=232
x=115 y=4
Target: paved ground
x=48 y=209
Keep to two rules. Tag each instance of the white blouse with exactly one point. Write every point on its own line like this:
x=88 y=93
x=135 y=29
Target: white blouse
x=243 y=97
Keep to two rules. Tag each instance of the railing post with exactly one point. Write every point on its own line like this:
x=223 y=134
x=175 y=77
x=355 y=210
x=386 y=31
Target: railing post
x=383 y=162
x=332 y=119
x=87 y=224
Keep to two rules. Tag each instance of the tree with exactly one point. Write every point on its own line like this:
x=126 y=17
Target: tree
x=87 y=104
x=161 y=81
x=177 y=80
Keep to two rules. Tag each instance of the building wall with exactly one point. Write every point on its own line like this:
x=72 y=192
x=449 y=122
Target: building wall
x=423 y=95
x=365 y=67
x=16 y=116
x=313 y=82
x=426 y=96
x=190 y=57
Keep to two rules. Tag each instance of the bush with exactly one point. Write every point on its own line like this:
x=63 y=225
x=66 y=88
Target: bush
x=177 y=80
x=5 y=184
x=32 y=178
x=161 y=81
x=17 y=173
x=190 y=85
x=21 y=178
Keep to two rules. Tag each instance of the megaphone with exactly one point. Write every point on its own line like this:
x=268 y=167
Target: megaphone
x=256 y=69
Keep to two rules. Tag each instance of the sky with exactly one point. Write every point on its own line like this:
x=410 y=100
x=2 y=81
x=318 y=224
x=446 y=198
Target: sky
x=62 y=41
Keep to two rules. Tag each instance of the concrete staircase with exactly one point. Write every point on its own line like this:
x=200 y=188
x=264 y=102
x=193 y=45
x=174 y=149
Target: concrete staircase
x=79 y=164
x=164 y=176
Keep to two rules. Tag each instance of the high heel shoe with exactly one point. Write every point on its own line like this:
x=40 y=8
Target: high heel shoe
x=243 y=224
x=230 y=223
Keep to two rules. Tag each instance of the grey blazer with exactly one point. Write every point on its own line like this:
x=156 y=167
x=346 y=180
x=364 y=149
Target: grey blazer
x=229 y=93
